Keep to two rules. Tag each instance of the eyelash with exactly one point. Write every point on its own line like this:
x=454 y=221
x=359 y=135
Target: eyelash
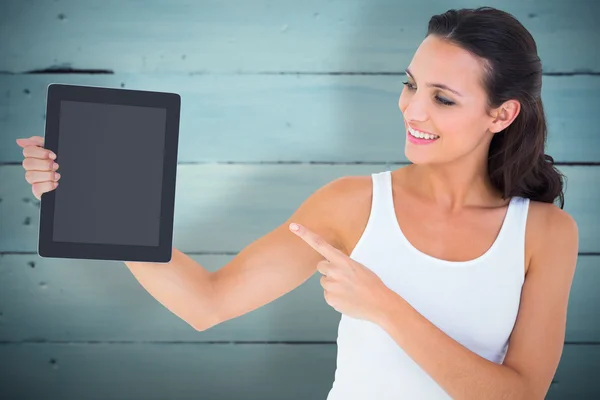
x=441 y=100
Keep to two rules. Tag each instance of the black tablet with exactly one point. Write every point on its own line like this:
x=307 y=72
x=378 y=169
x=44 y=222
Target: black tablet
x=117 y=156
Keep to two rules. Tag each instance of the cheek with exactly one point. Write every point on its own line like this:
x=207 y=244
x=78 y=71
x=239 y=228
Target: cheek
x=461 y=134
x=464 y=126
x=455 y=132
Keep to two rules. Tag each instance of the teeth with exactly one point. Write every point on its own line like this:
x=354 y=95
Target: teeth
x=421 y=135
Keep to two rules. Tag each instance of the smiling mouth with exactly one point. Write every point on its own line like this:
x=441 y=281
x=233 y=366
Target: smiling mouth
x=421 y=135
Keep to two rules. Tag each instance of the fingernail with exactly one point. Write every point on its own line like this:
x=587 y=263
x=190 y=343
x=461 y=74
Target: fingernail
x=52 y=156
x=293 y=227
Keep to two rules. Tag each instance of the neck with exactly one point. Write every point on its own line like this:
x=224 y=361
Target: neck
x=454 y=186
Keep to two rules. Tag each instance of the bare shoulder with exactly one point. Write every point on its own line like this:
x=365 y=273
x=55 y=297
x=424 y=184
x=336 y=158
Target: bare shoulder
x=548 y=219
x=331 y=208
x=350 y=185
x=352 y=188
x=350 y=197
x=550 y=230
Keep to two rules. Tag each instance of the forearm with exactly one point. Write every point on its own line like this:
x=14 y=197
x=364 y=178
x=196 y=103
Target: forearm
x=462 y=373
x=182 y=285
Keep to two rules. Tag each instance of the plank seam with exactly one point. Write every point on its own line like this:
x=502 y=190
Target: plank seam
x=223 y=253
x=557 y=163
x=62 y=70
x=208 y=342
x=164 y=342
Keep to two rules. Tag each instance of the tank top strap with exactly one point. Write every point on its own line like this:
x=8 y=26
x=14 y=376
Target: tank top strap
x=516 y=218
x=513 y=230
x=382 y=201
x=383 y=210
x=379 y=225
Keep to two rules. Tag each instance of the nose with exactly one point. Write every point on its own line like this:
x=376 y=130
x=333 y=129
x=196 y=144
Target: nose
x=414 y=107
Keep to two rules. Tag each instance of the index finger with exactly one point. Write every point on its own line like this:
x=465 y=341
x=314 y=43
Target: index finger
x=34 y=147
x=31 y=141
x=319 y=244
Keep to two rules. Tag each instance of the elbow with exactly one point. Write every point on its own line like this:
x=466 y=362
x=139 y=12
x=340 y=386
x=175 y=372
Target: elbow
x=197 y=326
x=529 y=394
x=527 y=391
x=203 y=324
x=200 y=327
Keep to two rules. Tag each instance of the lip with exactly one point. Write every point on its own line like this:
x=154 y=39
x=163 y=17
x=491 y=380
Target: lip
x=415 y=140
x=420 y=130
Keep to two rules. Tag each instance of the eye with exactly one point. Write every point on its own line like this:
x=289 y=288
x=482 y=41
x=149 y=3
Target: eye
x=408 y=85
x=444 y=101
x=438 y=98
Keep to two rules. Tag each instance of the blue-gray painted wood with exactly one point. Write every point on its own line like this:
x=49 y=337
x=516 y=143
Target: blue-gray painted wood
x=328 y=118
x=260 y=81
x=68 y=300
x=223 y=208
x=148 y=371
x=265 y=36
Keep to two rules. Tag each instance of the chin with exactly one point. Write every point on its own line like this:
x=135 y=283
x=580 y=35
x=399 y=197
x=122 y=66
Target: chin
x=418 y=157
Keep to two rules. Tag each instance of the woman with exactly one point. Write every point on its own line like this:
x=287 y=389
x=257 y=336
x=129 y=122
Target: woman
x=452 y=274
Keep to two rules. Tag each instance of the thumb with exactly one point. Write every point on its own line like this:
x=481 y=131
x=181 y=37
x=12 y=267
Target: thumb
x=31 y=141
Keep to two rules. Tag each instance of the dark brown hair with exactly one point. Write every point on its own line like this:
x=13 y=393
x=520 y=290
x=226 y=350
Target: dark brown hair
x=517 y=164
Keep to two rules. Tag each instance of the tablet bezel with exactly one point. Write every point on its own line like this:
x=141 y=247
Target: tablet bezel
x=162 y=253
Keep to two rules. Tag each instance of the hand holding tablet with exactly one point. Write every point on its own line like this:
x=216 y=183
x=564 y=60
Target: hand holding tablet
x=112 y=204
x=40 y=164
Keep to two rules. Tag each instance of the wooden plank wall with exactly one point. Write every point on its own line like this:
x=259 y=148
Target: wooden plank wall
x=278 y=98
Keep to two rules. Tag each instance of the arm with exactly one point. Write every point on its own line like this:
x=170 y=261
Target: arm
x=537 y=339
x=182 y=285
x=266 y=269
x=279 y=262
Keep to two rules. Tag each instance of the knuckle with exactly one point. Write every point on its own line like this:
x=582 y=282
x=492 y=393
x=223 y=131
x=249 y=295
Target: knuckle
x=319 y=241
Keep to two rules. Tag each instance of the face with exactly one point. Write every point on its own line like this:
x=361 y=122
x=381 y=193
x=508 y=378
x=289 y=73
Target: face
x=458 y=119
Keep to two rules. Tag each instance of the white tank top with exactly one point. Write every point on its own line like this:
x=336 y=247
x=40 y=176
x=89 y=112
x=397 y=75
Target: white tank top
x=475 y=302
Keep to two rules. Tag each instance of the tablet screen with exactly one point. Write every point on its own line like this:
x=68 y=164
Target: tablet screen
x=111 y=158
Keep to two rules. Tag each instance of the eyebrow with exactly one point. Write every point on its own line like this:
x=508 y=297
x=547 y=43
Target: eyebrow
x=437 y=85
